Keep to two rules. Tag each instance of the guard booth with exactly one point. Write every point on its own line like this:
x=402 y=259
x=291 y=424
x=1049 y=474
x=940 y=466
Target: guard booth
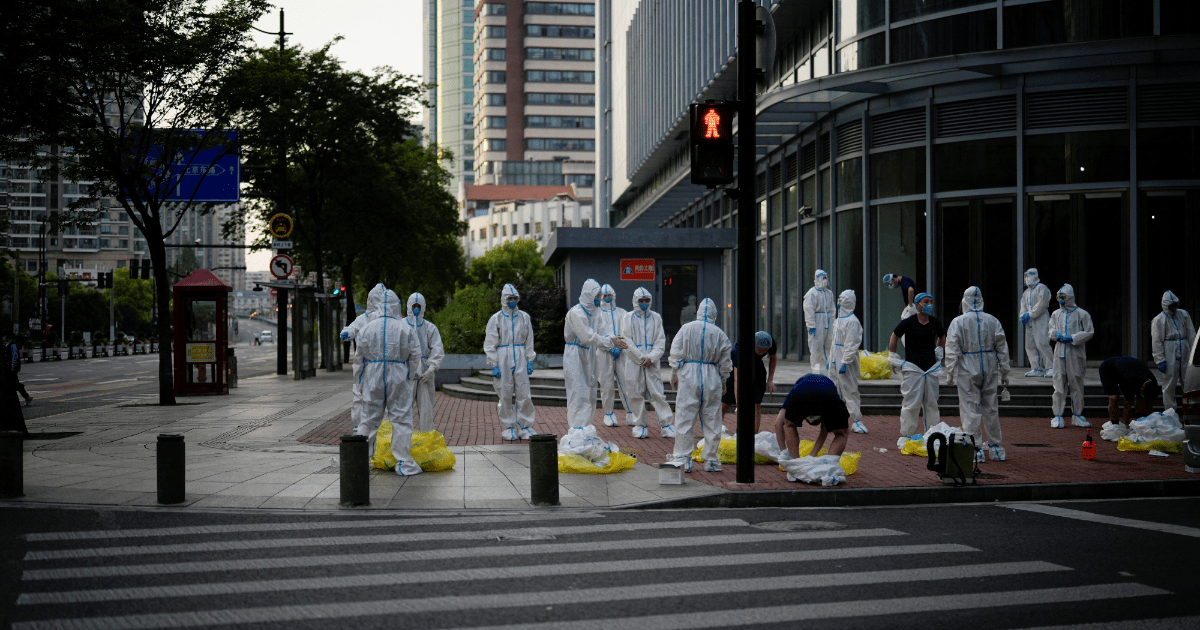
x=678 y=266
x=201 y=339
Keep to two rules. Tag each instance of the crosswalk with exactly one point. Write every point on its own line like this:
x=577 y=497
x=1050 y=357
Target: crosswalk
x=562 y=570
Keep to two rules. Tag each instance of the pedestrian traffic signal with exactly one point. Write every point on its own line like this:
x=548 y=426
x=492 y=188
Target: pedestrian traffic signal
x=134 y=269
x=64 y=288
x=146 y=269
x=712 y=143
x=104 y=280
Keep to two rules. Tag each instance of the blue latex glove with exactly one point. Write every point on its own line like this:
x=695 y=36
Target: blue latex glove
x=842 y=370
x=812 y=331
x=529 y=367
x=1065 y=338
x=1025 y=319
x=345 y=336
x=496 y=371
x=615 y=352
x=1162 y=367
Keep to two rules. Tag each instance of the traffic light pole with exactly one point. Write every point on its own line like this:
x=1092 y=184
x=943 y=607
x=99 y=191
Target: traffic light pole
x=746 y=269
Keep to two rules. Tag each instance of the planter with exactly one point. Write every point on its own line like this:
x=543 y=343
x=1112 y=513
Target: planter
x=139 y=348
x=77 y=353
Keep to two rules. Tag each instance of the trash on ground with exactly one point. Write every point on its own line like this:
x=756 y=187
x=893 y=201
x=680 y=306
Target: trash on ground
x=428 y=449
x=581 y=451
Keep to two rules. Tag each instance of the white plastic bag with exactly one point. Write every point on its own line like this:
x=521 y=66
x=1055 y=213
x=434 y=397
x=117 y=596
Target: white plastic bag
x=1113 y=431
x=825 y=470
x=1163 y=426
x=586 y=443
x=767 y=446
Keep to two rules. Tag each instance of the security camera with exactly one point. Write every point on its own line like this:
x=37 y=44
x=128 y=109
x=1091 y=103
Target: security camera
x=806 y=211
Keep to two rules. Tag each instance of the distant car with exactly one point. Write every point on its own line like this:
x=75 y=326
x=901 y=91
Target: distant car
x=267 y=336
x=1191 y=385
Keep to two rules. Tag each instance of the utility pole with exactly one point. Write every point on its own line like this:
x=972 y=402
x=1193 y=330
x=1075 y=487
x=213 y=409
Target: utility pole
x=747 y=91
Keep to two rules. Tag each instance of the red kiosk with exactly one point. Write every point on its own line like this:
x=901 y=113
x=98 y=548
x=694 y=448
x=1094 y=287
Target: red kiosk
x=201 y=305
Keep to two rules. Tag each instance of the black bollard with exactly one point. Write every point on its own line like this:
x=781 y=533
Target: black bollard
x=12 y=468
x=171 y=468
x=543 y=469
x=356 y=483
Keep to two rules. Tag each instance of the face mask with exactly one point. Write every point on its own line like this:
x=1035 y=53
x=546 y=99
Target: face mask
x=608 y=300
x=512 y=304
x=1172 y=307
x=1062 y=303
x=416 y=310
x=927 y=309
x=1030 y=281
x=596 y=301
x=643 y=305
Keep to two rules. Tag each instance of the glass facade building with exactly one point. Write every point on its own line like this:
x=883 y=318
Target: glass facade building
x=956 y=142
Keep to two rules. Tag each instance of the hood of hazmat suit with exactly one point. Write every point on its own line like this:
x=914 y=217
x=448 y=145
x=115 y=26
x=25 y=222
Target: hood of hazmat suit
x=419 y=301
x=588 y=295
x=1031 y=277
x=972 y=300
x=821 y=279
x=1168 y=299
x=846 y=302
x=505 y=293
x=1067 y=295
x=642 y=294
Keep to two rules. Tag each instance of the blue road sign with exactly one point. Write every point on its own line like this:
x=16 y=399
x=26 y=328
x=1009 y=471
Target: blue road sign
x=205 y=176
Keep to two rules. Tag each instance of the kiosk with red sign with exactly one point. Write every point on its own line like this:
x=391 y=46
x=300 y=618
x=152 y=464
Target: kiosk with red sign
x=201 y=305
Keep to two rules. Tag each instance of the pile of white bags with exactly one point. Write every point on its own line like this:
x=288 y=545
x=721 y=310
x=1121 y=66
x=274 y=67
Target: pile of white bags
x=1163 y=426
x=584 y=442
x=825 y=470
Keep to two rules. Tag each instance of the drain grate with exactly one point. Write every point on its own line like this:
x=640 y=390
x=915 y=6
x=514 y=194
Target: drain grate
x=1033 y=445
x=800 y=526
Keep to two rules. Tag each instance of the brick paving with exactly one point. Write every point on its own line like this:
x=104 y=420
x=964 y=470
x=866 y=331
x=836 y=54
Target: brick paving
x=473 y=423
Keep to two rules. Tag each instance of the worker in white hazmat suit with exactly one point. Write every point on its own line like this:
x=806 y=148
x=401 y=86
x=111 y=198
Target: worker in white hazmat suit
x=921 y=374
x=977 y=360
x=1035 y=320
x=350 y=333
x=1171 y=335
x=700 y=362
x=390 y=353
x=508 y=344
x=432 y=354
x=642 y=328
x=844 y=369
x=818 y=306
x=608 y=323
x=1070 y=328
x=578 y=363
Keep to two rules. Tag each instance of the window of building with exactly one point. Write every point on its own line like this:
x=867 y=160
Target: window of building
x=561 y=54
x=526 y=228
x=1062 y=21
x=567 y=223
x=468 y=49
x=580 y=122
x=468 y=98
x=560 y=8
x=468 y=32
x=859 y=16
x=495 y=31
x=1077 y=157
x=495 y=54
x=495 y=228
x=482 y=233
x=906 y=9
x=537 y=227
x=497 y=122
x=560 y=144
x=559 y=76
x=542 y=98
x=553 y=226
x=849 y=181
x=497 y=144
x=495 y=76
x=503 y=230
x=1168 y=153
x=585 y=222
x=468 y=66
x=975 y=164
x=468 y=83
x=556 y=30
x=898 y=173
x=581 y=181
x=495 y=99
x=494 y=8
x=954 y=35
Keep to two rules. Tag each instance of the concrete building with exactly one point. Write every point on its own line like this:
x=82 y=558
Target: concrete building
x=957 y=143
x=500 y=214
x=448 y=61
x=535 y=75
x=227 y=263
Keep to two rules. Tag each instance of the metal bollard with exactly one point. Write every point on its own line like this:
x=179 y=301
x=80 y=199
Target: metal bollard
x=356 y=484
x=171 y=468
x=12 y=468
x=543 y=469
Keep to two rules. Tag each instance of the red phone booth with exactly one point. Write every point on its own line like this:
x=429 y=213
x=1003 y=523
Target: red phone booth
x=201 y=336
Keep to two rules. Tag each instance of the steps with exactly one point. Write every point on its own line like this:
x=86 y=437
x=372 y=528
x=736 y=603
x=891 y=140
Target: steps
x=1032 y=399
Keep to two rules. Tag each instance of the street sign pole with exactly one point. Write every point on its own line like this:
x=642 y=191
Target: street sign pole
x=746 y=271
x=281 y=329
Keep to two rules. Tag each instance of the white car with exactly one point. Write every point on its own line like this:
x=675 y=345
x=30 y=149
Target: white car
x=267 y=336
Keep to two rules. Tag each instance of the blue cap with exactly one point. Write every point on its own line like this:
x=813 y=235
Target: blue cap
x=887 y=278
x=762 y=339
x=921 y=296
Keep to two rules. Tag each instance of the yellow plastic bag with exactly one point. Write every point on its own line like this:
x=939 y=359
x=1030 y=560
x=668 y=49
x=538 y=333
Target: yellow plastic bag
x=578 y=464
x=914 y=447
x=428 y=449
x=848 y=461
x=727 y=453
x=874 y=366
x=1126 y=444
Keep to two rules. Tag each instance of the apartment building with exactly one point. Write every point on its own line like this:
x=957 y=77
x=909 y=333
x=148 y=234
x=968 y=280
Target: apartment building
x=501 y=214
x=535 y=76
x=227 y=261
x=448 y=62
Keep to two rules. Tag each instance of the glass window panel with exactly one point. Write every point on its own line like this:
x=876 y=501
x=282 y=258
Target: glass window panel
x=988 y=163
x=905 y=9
x=1178 y=17
x=762 y=285
x=824 y=192
x=809 y=188
x=867 y=52
x=777 y=286
x=776 y=211
x=849 y=181
x=1170 y=222
x=762 y=217
x=1077 y=157
x=789 y=205
x=954 y=35
x=820 y=62
x=826 y=236
x=1066 y=21
x=792 y=348
x=1168 y=153
x=857 y=16
x=899 y=236
x=849 y=274
x=897 y=173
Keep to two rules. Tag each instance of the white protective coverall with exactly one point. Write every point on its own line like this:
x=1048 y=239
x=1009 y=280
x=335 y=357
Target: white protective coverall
x=578 y=362
x=1035 y=303
x=977 y=360
x=920 y=390
x=643 y=331
x=818 y=306
x=508 y=344
x=1171 y=335
x=608 y=323
x=700 y=357
x=390 y=352
x=847 y=339
x=1070 y=359
x=350 y=333
x=432 y=355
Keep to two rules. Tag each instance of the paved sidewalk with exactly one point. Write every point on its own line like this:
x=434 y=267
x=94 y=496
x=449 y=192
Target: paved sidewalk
x=272 y=442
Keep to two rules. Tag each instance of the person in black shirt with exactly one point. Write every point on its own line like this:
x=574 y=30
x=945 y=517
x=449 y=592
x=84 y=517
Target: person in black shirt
x=815 y=398
x=764 y=344
x=1131 y=377
x=921 y=373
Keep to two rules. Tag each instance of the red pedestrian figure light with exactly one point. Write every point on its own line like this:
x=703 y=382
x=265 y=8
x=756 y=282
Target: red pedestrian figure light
x=711 y=121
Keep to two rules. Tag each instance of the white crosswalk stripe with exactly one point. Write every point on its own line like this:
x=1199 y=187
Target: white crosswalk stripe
x=607 y=566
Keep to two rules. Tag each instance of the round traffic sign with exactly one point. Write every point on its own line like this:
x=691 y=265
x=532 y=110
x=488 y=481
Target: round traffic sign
x=281 y=266
x=280 y=226
x=274 y=293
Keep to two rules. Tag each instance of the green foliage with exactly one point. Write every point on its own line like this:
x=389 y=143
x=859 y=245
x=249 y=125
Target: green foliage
x=547 y=308
x=463 y=322
x=512 y=262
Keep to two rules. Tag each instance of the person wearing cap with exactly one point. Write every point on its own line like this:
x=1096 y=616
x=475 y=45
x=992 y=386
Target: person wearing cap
x=921 y=373
x=908 y=288
x=814 y=398
x=1129 y=377
x=764 y=344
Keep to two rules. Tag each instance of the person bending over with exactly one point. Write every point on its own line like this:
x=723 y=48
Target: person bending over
x=814 y=398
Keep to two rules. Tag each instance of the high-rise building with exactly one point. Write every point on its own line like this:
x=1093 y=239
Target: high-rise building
x=535 y=97
x=227 y=261
x=448 y=62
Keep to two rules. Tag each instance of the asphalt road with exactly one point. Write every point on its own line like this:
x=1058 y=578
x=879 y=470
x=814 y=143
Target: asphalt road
x=1113 y=565
x=70 y=385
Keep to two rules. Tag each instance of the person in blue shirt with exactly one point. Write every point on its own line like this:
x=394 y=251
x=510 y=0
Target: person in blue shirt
x=764 y=345
x=908 y=288
x=814 y=398
x=13 y=349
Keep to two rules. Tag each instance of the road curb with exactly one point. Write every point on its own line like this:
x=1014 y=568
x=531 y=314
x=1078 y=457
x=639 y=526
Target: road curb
x=870 y=497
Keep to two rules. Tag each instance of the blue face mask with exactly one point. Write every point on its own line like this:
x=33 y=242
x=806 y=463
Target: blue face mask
x=644 y=305
x=596 y=301
x=1062 y=303
x=608 y=300
x=512 y=304
x=416 y=310
x=927 y=309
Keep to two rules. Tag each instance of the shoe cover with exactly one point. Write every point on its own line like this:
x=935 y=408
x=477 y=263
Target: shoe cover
x=1034 y=373
x=510 y=435
x=1049 y=373
x=640 y=432
x=1079 y=421
x=996 y=452
x=525 y=434
x=610 y=420
x=1057 y=422
x=407 y=468
x=859 y=427
x=712 y=466
x=979 y=458
x=667 y=432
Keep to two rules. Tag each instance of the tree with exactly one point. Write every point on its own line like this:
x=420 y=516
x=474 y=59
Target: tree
x=509 y=263
x=115 y=88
